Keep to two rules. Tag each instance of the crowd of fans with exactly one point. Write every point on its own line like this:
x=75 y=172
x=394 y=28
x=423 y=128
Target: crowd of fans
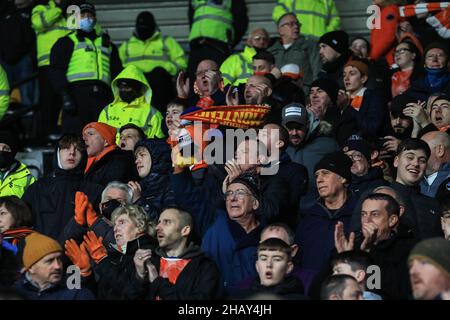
x=354 y=132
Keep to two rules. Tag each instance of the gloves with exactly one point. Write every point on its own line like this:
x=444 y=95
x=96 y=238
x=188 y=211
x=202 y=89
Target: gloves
x=79 y=256
x=91 y=215
x=95 y=246
x=68 y=104
x=81 y=203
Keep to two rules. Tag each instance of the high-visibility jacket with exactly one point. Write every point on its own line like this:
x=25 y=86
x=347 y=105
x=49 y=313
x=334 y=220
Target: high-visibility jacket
x=157 y=51
x=89 y=61
x=238 y=67
x=49 y=25
x=139 y=111
x=4 y=92
x=316 y=16
x=212 y=20
x=15 y=183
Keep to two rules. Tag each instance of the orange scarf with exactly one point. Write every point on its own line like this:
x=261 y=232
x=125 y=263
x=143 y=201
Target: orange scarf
x=92 y=160
x=357 y=100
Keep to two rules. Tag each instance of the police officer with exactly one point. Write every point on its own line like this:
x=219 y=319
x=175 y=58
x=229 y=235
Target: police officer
x=83 y=64
x=160 y=57
x=49 y=23
x=216 y=27
x=4 y=92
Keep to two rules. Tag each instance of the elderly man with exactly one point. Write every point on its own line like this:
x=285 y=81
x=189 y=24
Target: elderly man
x=43 y=278
x=295 y=48
x=177 y=269
x=336 y=203
x=229 y=237
x=238 y=67
x=438 y=165
x=15 y=177
x=106 y=162
x=429 y=269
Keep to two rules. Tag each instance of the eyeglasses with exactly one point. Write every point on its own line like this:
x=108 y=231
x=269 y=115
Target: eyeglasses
x=355 y=156
x=291 y=24
x=401 y=51
x=239 y=193
x=257 y=38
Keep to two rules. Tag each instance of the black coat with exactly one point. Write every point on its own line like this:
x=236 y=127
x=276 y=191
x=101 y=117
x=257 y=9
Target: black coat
x=199 y=280
x=422 y=213
x=116 y=272
x=290 y=288
x=52 y=199
x=117 y=165
x=373 y=179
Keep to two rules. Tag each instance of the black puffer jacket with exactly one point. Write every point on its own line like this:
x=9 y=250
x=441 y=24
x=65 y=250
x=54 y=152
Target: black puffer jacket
x=117 y=272
x=52 y=199
x=290 y=288
x=117 y=165
x=156 y=193
x=373 y=179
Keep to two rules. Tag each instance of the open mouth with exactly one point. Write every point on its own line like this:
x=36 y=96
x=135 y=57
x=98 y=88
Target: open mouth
x=269 y=275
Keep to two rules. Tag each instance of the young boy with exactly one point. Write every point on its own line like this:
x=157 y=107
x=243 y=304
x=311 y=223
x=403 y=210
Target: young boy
x=274 y=262
x=354 y=264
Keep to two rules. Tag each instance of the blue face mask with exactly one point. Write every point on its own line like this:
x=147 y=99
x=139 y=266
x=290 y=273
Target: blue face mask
x=87 y=24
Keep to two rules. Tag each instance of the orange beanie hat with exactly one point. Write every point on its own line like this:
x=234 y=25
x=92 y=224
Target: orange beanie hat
x=105 y=130
x=37 y=246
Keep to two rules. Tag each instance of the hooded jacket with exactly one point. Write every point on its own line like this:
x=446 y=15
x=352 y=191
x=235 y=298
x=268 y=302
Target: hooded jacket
x=51 y=199
x=16 y=180
x=317 y=143
x=156 y=193
x=139 y=111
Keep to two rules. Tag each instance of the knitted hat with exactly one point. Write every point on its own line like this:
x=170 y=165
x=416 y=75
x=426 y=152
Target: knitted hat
x=361 y=66
x=8 y=138
x=251 y=181
x=338 y=40
x=357 y=143
x=37 y=246
x=331 y=87
x=106 y=131
x=294 y=112
x=337 y=162
x=435 y=251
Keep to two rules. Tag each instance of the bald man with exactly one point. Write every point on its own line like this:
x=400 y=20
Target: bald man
x=438 y=166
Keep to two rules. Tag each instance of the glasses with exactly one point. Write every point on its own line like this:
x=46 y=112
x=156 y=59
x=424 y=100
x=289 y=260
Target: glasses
x=239 y=193
x=291 y=24
x=257 y=38
x=401 y=51
x=355 y=156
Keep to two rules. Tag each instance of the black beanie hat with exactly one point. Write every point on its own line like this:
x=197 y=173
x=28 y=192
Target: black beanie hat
x=435 y=251
x=337 y=162
x=331 y=87
x=357 y=143
x=436 y=45
x=338 y=40
x=87 y=7
x=10 y=139
x=251 y=181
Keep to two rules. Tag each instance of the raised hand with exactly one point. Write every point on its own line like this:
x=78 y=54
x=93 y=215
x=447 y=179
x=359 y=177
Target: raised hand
x=137 y=190
x=232 y=96
x=79 y=256
x=95 y=246
x=182 y=85
x=340 y=241
x=370 y=232
x=81 y=203
x=140 y=257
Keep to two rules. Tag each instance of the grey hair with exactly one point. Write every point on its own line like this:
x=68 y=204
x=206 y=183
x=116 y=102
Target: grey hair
x=121 y=186
x=396 y=196
x=135 y=213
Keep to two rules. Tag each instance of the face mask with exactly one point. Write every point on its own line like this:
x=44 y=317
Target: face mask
x=108 y=207
x=144 y=32
x=87 y=24
x=6 y=159
x=127 y=96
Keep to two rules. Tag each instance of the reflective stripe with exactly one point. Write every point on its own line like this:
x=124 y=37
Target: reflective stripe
x=149 y=118
x=213 y=17
x=228 y=77
x=81 y=75
x=105 y=51
x=244 y=75
x=4 y=92
x=285 y=8
x=44 y=57
x=162 y=58
x=244 y=66
x=311 y=13
x=43 y=21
